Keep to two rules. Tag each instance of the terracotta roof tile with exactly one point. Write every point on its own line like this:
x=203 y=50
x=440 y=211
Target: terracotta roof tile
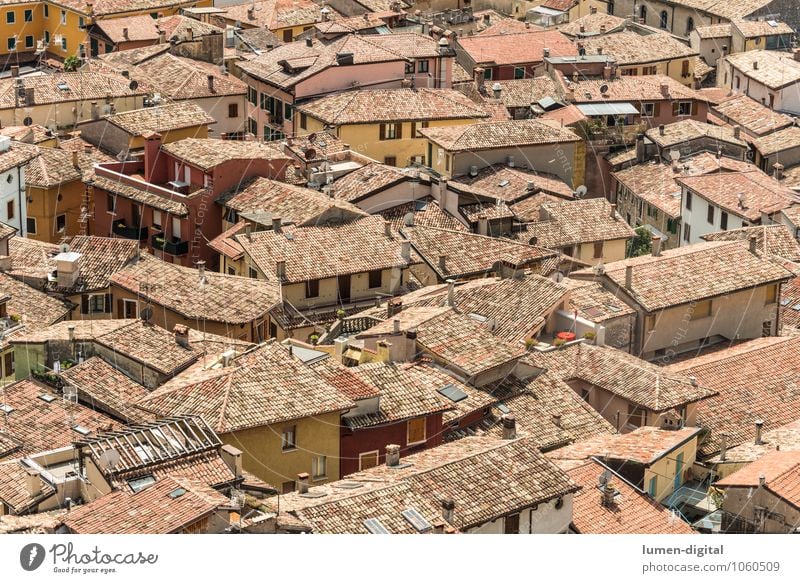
x=509 y=184
x=427 y=213
x=644 y=445
x=752 y=115
x=714 y=31
x=273 y=14
x=775 y=69
x=35 y=309
x=503 y=134
x=142 y=194
x=100 y=258
x=758 y=28
x=631 y=48
x=772 y=240
x=209 y=153
x=163 y=118
x=368 y=180
x=784 y=438
x=14 y=491
x=633 y=89
x=78 y=86
x=524 y=92
x=779 y=141
x=590 y=24
x=518 y=48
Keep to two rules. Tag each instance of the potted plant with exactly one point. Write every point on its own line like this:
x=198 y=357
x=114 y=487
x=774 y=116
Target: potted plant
x=340 y=313
x=314 y=338
x=589 y=335
x=558 y=342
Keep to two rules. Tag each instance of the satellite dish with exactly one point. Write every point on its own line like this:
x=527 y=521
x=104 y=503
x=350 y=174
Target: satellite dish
x=674 y=155
x=604 y=88
x=146 y=314
x=533 y=240
x=27 y=121
x=133 y=85
x=581 y=191
x=604 y=479
x=557 y=277
x=109 y=459
x=408 y=220
x=311 y=153
x=311 y=138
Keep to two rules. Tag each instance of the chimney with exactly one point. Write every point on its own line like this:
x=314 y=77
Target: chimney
x=14 y=70
x=396 y=326
x=232 y=458
x=665 y=89
x=545 y=52
x=582 y=28
x=509 y=427
x=248 y=231
x=276 y=224
x=483 y=225
x=33 y=482
x=661 y=130
x=629 y=277
x=607 y=499
x=95 y=111
x=593 y=10
x=607 y=72
x=152 y=147
x=405 y=250
x=251 y=13
x=759 y=427
x=755 y=65
x=614 y=212
x=189 y=34
x=443 y=263
x=75 y=159
x=557 y=420
x=723 y=446
x=302 y=483
x=762 y=480
x=280 y=270
x=210 y=79
x=737 y=132
x=753 y=245
x=778 y=167
x=641 y=152
x=448 y=509
x=309 y=42
x=655 y=245
x=602 y=29
x=451 y=292
x=162 y=37
x=387 y=229
x=477 y=75
x=125 y=33
x=394 y=306
x=201 y=269
x=71 y=333
x=497 y=90
x=181 y=335
x=392 y=455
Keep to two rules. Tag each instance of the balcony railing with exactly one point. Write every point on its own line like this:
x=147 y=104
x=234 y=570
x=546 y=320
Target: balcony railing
x=173 y=248
x=121 y=229
x=616 y=134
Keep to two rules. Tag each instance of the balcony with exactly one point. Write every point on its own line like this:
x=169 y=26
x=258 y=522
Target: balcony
x=615 y=135
x=162 y=244
x=120 y=229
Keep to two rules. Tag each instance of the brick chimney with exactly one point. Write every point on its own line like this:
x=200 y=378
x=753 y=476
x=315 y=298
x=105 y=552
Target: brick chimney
x=662 y=130
x=655 y=245
x=303 y=483
x=443 y=263
x=477 y=75
x=753 y=245
x=232 y=458
x=723 y=446
x=33 y=482
x=759 y=427
x=155 y=171
x=210 y=79
x=665 y=89
x=181 y=335
x=778 y=167
x=276 y=224
x=509 y=427
x=448 y=509
x=125 y=34
x=392 y=455
x=629 y=277
x=608 y=495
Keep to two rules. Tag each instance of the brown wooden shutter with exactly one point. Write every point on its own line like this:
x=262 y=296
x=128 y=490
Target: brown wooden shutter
x=9 y=362
x=85 y=304
x=120 y=309
x=400 y=131
x=109 y=302
x=694 y=108
x=675 y=109
x=656 y=109
x=383 y=132
x=416 y=430
x=413 y=129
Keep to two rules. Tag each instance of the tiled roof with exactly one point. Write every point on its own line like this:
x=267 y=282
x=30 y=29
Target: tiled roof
x=655 y=182
x=509 y=49
x=752 y=115
x=53 y=166
x=527 y=210
x=785 y=139
x=163 y=508
x=368 y=180
x=177 y=27
x=510 y=184
x=108 y=7
x=78 y=86
x=32 y=260
x=564 y=116
x=790 y=296
x=581 y=221
x=592 y=24
x=622 y=374
x=35 y=309
x=345 y=25
x=160 y=119
x=714 y=31
x=757 y=28
x=273 y=14
x=784 y=438
x=689 y=129
x=630 y=48
x=632 y=512
x=693 y=273
x=595 y=303
x=103 y=387
x=13 y=488
x=16 y=155
x=128 y=29
x=100 y=258
x=755 y=380
x=780 y=469
x=392 y=105
x=427 y=213
x=644 y=445
x=40 y=425
x=772 y=240
x=262 y=387
x=221 y=298
x=293 y=204
x=504 y=134
x=6 y=230
x=508 y=26
x=468 y=254
x=524 y=92
x=8 y=445
x=142 y=194
x=634 y=89
x=225 y=244
x=762 y=194
x=206 y=154
x=775 y=69
x=324 y=251
x=32 y=134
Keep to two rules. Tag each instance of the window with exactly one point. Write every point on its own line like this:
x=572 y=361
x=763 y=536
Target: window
x=252 y=273
x=303 y=121
x=176 y=229
x=651 y=488
x=375 y=278
x=287 y=36
x=772 y=294
x=701 y=309
x=710 y=215
x=63 y=17
x=422 y=66
x=682 y=108
x=233 y=110
x=29 y=41
x=685 y=69
x=368 y=460
x=723 y=221
x=9 y=363
x=487 y=74
x=64 y=43
x=643 y=13
x=688 y=200
x=12 y=43
x=252 y=126
x=312 y=288
x=61 y=223
x=415 y=432
x=28 y=17
x=766 y=329
x=390 y=160
x=157 y=219
x=672 y=226
x=46 y=11
x=415 y=127
x=319 y=467
x=598 y=250
x=650 y=322
x=130 y=309
x=446 y=163
x=511 y=524
x=410 y=68
x=81 y=23
x=663 y=21
x=391 y=131
x=287 y=487
x=231 y=270
x=689 y=25
x=289 y=438
x=648 y=109
x=519 y=72
x=11 y=17
x=31 y=225
x=10 y=210
x=97 y=303
x=46 y=34
x=111 y=203
x=636 y=415
x=287 y=111
x=252 y=96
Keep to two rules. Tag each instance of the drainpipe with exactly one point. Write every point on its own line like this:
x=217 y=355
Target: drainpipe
x=23 y=227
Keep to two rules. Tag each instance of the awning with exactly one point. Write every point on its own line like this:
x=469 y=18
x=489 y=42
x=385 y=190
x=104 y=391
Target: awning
x=591 y=109
x=547 y=11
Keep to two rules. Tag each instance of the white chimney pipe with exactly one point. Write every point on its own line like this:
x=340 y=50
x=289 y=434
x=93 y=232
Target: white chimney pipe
x=392 y=455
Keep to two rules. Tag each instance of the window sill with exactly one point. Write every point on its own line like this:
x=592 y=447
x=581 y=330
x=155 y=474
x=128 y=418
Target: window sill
x=412 y=444
x=288 y=449
x=318 y=478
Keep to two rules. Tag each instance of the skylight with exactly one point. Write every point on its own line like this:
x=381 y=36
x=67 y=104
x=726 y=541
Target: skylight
x=416 y=520
x=141 y=482
x=452 y=392
x=177 y=493
x=81 y=429
x=47 y=398
x=6 y=408
x=374 y=526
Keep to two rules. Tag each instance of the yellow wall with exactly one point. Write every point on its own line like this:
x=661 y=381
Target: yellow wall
x=66 y=113
x=672 y=69
x=664 y=470
x=365 y=138
x=612 y=251
x=262 y=454
x=44 y=205
x=198 y=131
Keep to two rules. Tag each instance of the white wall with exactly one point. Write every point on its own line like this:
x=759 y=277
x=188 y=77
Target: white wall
x=12 y=188
x=697 y=219
x=546 y=519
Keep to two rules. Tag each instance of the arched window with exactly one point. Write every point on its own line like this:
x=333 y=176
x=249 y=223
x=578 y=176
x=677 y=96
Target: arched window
x=664 y=17
x=689 y=25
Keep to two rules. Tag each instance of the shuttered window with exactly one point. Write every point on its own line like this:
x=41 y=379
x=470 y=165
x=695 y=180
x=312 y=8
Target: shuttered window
x=416 y=431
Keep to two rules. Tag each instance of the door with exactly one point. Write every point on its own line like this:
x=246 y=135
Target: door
x=343 y=282
x=678 y=471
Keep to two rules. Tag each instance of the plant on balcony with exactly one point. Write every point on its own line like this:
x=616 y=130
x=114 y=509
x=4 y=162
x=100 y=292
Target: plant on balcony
x=559 y=342
x=530 y=342
x=340 y=313
x=314 y=338
x=49 y=378
x=589 y=335
x=15 y=317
